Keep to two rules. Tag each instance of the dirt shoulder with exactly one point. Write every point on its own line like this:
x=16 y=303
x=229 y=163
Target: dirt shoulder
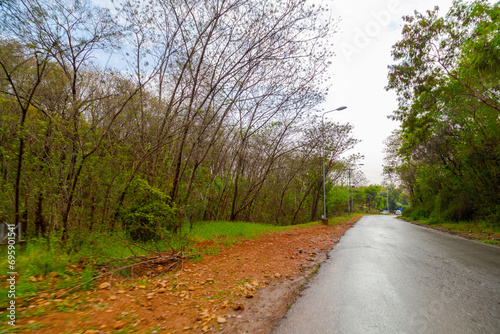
x=244 y=288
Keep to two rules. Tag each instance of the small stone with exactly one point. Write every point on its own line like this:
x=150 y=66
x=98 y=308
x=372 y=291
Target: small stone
x=277 y=275
x=238 y=307
x=221 y=320
x=119 y=324
x=104 y=285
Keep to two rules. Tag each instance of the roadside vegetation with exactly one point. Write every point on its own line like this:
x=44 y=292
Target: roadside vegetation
x=51 y=269
x=480 y=231
x=446 y=155
x=218 y=284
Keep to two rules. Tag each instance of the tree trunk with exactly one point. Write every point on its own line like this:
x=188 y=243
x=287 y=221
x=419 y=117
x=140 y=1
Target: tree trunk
x=316 y=198
x=40 y=228
x=235 y=197
x=308 y=191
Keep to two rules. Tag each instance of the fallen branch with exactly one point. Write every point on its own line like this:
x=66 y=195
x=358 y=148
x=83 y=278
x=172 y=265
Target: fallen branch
x=159 y=259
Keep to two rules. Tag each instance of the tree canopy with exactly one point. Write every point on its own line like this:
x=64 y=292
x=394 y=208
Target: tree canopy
x=447 y=78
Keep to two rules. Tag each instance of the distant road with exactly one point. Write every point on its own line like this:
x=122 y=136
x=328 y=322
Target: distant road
x=389 y=276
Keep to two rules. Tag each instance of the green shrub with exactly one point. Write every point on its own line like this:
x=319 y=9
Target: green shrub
x=148 y=213
x=452 y=206
x=460 y=208
x=416 y=213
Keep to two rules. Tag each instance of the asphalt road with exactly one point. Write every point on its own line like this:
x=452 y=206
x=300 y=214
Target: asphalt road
x=389 y=276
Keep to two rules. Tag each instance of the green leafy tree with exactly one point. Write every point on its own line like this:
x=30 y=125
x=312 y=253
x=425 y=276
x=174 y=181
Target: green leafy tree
x=448 y=83
x=337 y=200
x=372 y=195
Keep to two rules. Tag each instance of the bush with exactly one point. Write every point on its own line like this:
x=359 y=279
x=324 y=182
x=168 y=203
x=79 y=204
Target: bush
x=416 y=213
x=452 y=206
x=460 y=208
x=149 y=213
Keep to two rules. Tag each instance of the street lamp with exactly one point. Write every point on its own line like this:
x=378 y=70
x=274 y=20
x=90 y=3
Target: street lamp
x=323 y=130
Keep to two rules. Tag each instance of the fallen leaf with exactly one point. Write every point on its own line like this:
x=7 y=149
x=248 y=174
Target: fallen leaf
x=104 y=285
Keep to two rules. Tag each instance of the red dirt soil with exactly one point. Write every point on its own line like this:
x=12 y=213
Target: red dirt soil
x=245 y=288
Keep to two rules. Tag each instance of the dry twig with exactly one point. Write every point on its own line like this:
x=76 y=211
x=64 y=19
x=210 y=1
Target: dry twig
x=172 y=260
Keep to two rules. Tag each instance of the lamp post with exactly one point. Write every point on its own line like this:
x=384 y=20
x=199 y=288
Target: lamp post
x=324 y=176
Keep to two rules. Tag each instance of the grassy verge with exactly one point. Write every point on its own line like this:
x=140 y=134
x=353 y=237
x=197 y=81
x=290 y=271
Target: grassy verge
x=46 y=265
x=232 y=232
x=351 y=218
x=479 y=231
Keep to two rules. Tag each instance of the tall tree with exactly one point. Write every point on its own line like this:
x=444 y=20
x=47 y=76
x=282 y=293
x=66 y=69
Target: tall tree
x=448 y=86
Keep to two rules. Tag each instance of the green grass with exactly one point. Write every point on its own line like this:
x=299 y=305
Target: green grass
x=230 y=232
x=342 y=219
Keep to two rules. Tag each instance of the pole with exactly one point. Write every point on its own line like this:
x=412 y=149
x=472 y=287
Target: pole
x=324 y=186
x=348 y=190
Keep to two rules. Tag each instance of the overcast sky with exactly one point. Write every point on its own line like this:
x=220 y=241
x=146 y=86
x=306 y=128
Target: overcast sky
x=366 y=33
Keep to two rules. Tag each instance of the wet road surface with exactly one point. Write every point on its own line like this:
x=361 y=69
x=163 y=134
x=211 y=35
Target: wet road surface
x=389 y=276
